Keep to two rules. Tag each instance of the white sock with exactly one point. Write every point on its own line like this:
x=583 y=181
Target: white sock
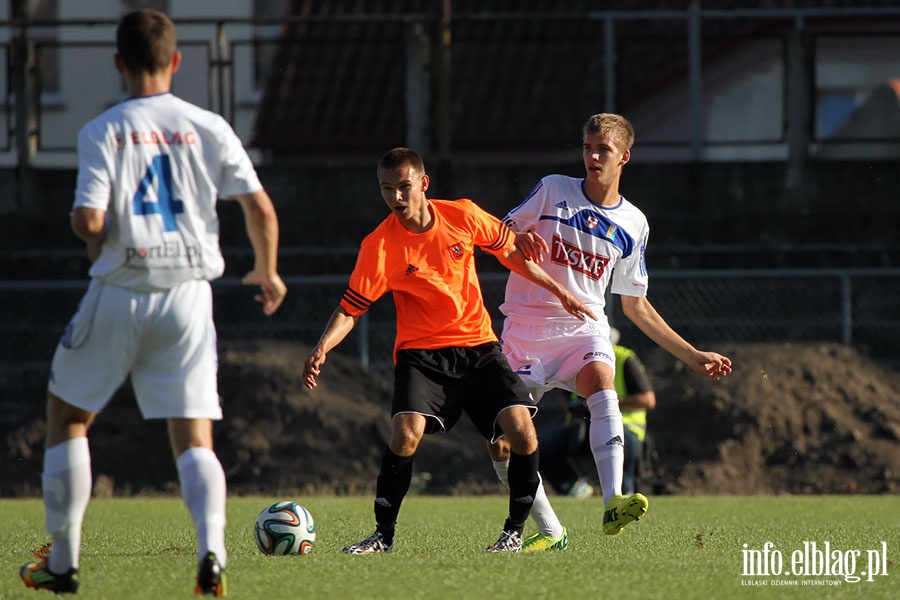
x=542 y=513
x=203 y=490
x=607 y=437
x=66 y=483
x=501 y=467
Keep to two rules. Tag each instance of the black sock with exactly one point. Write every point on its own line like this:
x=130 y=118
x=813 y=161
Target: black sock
x=523 y=485
x=390 y=489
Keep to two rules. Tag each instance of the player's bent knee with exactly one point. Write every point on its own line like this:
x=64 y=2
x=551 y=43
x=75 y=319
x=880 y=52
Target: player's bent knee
x=404 y=441
x=522 y=439
x=499 y=450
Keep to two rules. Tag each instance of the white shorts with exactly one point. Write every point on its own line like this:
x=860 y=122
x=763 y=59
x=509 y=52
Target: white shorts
x=550 y=354
x=166 y=340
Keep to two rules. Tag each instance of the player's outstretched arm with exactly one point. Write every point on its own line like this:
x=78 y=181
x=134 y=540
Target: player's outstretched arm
x=339 y=325
x=262 y=229
x=514 y=260
x=644 y=315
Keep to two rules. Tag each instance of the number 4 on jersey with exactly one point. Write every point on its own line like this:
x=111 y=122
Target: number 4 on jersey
x=166 y=205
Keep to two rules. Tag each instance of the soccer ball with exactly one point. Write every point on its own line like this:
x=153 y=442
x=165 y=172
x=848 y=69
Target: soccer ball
x=284 y=528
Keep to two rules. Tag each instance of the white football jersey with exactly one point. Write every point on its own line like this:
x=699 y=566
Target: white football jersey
x=157 y=165
x=591 y=248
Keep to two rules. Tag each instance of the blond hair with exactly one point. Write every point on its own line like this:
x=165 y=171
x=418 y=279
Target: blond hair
x=616 y=126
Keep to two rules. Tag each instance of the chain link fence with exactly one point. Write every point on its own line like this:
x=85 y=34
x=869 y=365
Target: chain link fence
x=853 y=307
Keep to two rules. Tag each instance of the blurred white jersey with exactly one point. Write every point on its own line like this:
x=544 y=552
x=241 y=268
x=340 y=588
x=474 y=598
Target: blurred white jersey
x=591 y=247
x=157 y=165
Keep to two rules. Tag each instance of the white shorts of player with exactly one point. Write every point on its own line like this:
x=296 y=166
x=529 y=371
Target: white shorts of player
x=549 y=354
x=165 y=340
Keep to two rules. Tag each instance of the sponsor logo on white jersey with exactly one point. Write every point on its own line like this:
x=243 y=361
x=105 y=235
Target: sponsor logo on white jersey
x=167 y=251
x=570 y=255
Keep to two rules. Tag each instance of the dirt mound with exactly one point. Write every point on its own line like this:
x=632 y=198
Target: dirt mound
x=276 y=436
x=281 y=435
x=790 y=419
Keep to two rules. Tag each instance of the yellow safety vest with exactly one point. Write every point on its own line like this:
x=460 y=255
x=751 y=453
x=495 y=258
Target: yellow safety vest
x=634 y=420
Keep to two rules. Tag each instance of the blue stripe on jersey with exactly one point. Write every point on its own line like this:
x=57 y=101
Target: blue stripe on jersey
x=644 y=257
x=528 y=197
x=597 y=225
x=588 y=198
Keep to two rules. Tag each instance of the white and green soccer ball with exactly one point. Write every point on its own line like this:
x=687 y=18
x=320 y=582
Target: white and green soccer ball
x=285 y=528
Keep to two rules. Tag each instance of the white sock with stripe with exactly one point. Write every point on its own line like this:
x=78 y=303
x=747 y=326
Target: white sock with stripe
x=607 y=437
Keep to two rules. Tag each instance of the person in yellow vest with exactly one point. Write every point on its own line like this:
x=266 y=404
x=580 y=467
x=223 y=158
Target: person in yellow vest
x=563 y=446
x=636 y=397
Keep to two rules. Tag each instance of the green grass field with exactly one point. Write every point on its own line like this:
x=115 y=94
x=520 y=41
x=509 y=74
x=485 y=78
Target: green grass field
x=686 y=547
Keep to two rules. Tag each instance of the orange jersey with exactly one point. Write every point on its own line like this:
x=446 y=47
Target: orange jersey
x=431 y=274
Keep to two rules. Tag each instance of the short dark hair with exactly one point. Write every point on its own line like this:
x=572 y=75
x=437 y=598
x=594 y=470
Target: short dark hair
x=397 y=157
x=145 y=41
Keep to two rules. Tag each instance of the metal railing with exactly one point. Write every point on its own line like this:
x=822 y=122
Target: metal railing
x=856 y=307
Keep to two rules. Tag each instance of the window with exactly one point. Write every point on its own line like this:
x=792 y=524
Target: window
x=832 y=110
x=855 y=98
x=46 y=50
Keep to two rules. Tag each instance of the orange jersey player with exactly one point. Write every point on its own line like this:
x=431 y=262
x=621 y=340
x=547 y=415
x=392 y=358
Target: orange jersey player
x=432 y=276
x=448 y=360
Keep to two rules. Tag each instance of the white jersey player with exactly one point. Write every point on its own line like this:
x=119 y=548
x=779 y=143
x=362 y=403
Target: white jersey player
x=150 y=171
x=590 y=246
x=590 y=239
x=157 y=165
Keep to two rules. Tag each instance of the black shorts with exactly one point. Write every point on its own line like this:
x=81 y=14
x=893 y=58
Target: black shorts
x=443 y=383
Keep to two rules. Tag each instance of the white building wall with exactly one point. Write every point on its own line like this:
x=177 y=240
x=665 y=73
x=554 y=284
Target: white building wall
x=742 y=90
x=89 y=83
